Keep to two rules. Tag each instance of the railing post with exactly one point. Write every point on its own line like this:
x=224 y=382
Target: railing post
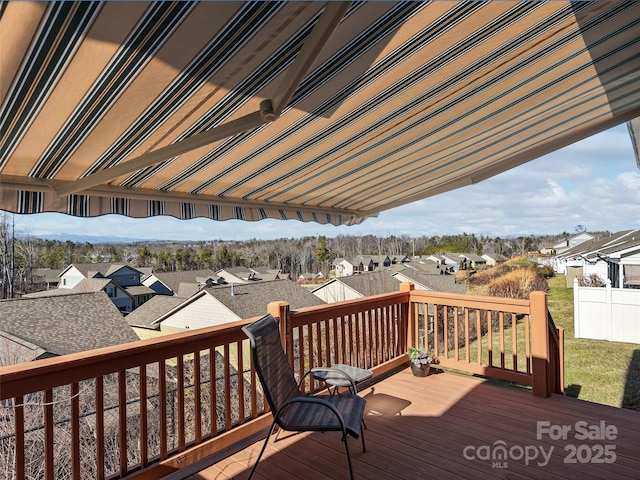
x=561 y=360
x=412 y=328
x=281 y=311
x=539 y=343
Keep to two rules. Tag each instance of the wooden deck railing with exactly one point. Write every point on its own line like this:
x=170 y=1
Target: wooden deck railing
x=369 y=334
x=508 y=339
x=148 y=408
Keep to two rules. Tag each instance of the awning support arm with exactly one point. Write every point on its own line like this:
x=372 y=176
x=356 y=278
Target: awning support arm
x=269 y=110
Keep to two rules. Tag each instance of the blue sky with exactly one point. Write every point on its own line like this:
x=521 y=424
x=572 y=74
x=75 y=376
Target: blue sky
x=594 y=183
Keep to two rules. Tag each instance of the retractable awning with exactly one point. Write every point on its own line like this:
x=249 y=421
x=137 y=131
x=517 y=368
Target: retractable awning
x=318 y=112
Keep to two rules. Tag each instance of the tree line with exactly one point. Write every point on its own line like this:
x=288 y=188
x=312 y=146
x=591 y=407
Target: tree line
x=21 y=255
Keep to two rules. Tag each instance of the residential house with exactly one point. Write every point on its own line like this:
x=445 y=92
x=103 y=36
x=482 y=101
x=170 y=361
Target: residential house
x=305 y=278
x=381 y=261
x=435 y=282
x=147 y=314
x=400 y=259
x=269 y=274
x=171 y=283
x=569 y=242
x=35 y=328
x=450 y=261
x=246 y=275
x=345 y=267
x=342 y=267
x=356 y=286
x=471 y=261
x=48 y=277
x=614 y=257
x=122 y=283
x=494 y=259
x=223 y=304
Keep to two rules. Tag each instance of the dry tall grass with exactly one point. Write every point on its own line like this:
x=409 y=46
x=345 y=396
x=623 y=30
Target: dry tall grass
x=508 y=281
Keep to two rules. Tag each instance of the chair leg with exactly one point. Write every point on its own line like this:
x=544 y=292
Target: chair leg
x=264 y=446
x=346 y=447
x=362 y=435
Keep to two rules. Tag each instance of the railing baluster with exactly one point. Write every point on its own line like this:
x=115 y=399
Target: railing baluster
x=343 y=337
x=75 y=430
x=327 y=341
x=18 y=408
x=335 y=350
x=241 y=407
x=514 y=341
x=212 y=392
x=99 y=433
x=479 y=334
x=527 y=333
x=436 y=329
x=254 y=388
x=181 y=406
x=489 y=338
x=467 y=346
x=227 y=388
x=197 y=397
x=364 y=353
x=122 y=413
x=144 y=417
x=162 y=399
x=48 y=436
x=309 y=357
x=456 y=333
x=501 y=332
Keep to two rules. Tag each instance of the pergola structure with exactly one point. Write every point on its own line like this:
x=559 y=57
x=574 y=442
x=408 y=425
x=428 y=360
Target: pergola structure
x=327 y=112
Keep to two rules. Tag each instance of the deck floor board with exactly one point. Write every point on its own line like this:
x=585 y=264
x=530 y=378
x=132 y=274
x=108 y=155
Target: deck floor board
x=420 y=428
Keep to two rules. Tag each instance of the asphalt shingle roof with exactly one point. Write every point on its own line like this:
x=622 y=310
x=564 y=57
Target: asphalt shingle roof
x=150 y=311
x=174 y=279
x=374 y=283
x=66 y=324
x=251 y=300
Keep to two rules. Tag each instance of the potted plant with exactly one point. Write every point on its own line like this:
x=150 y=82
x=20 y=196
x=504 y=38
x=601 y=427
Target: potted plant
x=420 y=361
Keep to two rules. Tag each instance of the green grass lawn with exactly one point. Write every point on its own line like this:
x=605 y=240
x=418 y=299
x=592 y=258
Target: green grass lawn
x=595 y=370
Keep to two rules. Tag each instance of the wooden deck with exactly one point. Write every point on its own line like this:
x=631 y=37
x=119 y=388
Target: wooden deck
x=421 y=428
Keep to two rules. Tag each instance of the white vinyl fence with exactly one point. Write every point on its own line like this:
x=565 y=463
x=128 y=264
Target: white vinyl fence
x=605 y=313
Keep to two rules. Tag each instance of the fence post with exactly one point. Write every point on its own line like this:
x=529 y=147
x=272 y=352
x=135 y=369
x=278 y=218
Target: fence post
x=576 y=307
x=539 y=343
x=282 y=312
x=609 y=311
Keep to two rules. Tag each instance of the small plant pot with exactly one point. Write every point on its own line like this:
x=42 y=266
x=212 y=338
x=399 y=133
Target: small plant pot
x=420 y=370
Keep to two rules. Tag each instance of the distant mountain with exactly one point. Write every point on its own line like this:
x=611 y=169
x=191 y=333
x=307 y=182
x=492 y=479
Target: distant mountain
x=63 y=237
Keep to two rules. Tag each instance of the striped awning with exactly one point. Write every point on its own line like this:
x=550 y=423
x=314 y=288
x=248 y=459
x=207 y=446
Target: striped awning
x=255 y=110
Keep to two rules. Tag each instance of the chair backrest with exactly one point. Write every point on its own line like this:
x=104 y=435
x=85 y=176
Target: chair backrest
x=271 y=362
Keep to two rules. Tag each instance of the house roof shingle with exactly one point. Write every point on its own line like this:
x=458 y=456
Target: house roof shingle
x=174 y=279
x=150 y=311
x=66 y=324
x=251 y=300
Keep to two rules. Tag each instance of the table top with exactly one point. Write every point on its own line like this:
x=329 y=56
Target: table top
x=335 y=379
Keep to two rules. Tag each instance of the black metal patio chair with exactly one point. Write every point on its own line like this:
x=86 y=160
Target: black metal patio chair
x=292 y=410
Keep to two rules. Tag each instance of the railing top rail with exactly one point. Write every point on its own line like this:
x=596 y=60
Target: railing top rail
x=347 y=307
x=20 y=379
x=475 y=301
